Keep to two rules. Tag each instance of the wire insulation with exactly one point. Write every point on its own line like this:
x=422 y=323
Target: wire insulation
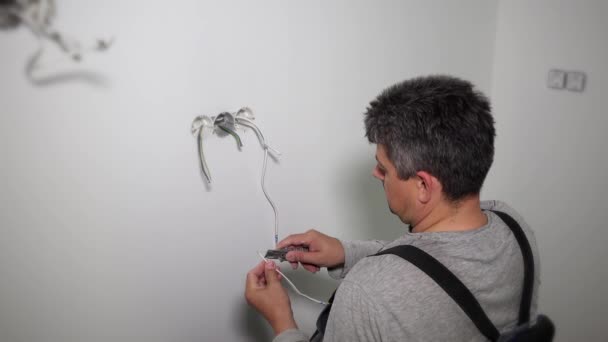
x=292 y=285
x=274 y=208
x=246 y=122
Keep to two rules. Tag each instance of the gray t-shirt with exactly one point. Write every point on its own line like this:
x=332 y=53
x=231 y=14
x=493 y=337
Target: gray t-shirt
x=385 y=298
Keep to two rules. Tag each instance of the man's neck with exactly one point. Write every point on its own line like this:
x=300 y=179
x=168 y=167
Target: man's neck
x=449 y=217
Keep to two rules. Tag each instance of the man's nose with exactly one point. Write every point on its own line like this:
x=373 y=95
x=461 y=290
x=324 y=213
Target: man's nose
x=376 y=174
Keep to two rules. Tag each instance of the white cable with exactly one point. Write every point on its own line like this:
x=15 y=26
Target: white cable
x=246 y=122
x=293 y=286
x=274 y=208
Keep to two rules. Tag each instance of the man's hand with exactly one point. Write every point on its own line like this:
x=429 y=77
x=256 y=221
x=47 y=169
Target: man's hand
x=323 y=250
x=264 y=292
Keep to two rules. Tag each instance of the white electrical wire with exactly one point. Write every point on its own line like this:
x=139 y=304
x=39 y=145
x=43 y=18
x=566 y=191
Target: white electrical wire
x=274 y=208
x=246 y=122
x=293 y=286
x=232 y=120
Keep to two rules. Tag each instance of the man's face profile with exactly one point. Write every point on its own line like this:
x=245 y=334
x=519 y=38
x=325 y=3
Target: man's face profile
x=400 y=194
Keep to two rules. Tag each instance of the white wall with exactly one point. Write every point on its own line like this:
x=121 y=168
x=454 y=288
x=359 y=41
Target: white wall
x=107 y=232
x=551 y=161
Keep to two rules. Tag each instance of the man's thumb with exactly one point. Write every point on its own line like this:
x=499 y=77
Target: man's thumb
x=271 y=272
x=303 y=257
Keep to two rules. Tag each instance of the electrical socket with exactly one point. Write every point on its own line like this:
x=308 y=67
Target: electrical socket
x=575 y=81
x=556 y=79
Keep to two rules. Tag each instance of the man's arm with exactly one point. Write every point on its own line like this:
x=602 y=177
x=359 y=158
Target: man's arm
x=353 y=252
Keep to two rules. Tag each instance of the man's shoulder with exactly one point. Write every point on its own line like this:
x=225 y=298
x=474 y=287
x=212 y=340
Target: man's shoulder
x=408 y=298
x=386 y=276
x=497 y=205
x=480 y=259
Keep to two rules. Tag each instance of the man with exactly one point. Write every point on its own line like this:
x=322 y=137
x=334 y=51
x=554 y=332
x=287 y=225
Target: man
x=435 y=145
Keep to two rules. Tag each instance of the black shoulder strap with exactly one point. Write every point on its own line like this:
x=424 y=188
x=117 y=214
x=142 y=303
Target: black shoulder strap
x=526 y=251
x=323 y=317
x=450 y=284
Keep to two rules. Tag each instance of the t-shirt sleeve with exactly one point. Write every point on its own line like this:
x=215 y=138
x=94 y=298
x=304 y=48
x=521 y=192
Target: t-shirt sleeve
x=291 y=335
x=353 y=252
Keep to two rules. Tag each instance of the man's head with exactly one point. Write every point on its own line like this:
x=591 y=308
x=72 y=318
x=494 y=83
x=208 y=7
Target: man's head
x=437 y=127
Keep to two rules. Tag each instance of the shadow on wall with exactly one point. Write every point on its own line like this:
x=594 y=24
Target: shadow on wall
x=365 y=207
x=83 y=76
x=86 y=77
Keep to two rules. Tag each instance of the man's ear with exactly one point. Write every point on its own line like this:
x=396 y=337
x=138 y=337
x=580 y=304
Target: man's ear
x=428 y=186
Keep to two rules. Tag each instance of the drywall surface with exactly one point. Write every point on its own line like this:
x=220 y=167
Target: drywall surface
x=550 y=155
x=107 y=231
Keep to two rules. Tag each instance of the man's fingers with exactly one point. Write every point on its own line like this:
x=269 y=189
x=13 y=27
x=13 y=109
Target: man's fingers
x=303 y=257
x=296 y=240
x=252 y=281
x=258 y=269
x=311 y=268
x=271 y=273
x=255 y=276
